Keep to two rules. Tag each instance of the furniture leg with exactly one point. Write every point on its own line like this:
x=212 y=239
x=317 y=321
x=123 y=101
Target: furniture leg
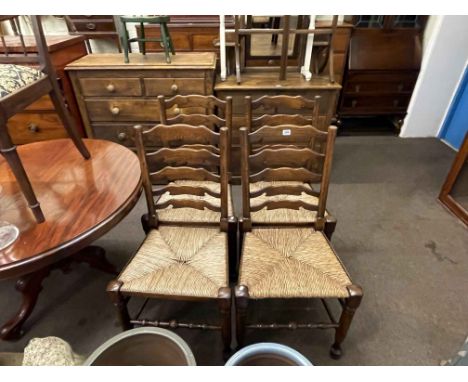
x=125 y=43
x=145 y=223
x=225 y=303
x=95 y=257
x=330 y=225
x=165 y=43
x=66 y=118
x=350 y=306
x=8 y=150
x=142 y=44
x=242 y=298
x=169 y=39
x=120 y=303
x=233 y=249
x=29 y=286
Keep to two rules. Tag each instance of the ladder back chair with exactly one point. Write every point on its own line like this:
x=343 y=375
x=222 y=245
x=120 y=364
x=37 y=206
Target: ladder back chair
x=182 y=260
x=213 y=113
x=24 y=78
x=290 y=260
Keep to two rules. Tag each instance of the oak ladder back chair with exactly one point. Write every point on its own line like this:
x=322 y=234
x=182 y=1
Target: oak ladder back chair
x=183 y=260
x=290 y=260
x=213 y=113
x=24 y=78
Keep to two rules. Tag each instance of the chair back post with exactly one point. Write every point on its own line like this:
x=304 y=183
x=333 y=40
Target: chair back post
x=162 y=109
x=43 y=52
x=331 y=36
x=245 y=179
x=148 y=188
x=324 y=184
x=224 y=173
x=228 y=120
x=248 y=114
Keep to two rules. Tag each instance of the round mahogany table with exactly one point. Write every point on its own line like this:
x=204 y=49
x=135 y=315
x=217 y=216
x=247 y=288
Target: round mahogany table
x=81 y=200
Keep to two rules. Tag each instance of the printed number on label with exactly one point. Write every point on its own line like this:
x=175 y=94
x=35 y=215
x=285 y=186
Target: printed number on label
x=286 y=132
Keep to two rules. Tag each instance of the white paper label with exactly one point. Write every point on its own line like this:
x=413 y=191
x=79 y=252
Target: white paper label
x=286 y=132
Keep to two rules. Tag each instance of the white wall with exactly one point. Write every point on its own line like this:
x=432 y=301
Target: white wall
x=444 y=60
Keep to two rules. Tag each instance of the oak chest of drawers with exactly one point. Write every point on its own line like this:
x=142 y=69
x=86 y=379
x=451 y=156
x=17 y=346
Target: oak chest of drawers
x=114 y=96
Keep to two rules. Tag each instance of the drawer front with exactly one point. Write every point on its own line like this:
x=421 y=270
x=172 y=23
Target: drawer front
x=132 y=110
x=205 y=42
x=33 y=127
x=94 y=25
x=96 y=87
x=375 y=104
x=117 y=132
x=403 y=86
x=174 y=86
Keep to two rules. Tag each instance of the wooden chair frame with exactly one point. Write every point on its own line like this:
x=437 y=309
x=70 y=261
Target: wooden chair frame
x=20 y=99
x=181 y=162
x=286 y=171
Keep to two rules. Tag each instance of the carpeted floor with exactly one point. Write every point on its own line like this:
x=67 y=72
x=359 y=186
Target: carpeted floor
x=409 y=254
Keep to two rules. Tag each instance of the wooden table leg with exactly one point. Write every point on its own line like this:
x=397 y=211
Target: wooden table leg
x=30 y=286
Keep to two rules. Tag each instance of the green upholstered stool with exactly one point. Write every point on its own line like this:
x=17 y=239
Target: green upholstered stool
x=165 y=38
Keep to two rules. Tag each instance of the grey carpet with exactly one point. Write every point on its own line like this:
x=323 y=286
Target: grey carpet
x=408 y=253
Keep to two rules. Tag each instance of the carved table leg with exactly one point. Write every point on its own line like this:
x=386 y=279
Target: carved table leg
x=30 y=287
x=95 y=257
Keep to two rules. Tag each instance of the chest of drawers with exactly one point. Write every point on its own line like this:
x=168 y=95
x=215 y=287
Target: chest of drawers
x=114 y=96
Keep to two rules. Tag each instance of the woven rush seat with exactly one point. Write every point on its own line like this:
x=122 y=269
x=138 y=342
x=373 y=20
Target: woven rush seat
x=192 y=215
x=178 y=261
x=15 y=77
x=282 y=215
x=291 y=262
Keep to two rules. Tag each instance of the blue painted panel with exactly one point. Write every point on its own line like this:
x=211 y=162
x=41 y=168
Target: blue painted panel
x=456 y=123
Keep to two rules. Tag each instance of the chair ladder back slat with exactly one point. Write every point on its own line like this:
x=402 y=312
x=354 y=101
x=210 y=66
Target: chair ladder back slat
x=180 y=134
x=183 y=156
x=188 y=203
x=285 y=189
x=173 y=189
x=171 y=174
x=289 y=204
x=284 y=157
x=286 y=174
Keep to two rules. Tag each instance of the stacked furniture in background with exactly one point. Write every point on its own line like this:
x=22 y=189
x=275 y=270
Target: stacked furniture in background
x=20 y=86
x=40 y=121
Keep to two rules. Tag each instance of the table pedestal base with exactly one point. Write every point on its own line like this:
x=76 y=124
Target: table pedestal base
x=30 y=286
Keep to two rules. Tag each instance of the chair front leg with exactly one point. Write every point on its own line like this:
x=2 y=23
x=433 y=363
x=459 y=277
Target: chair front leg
x=120 y=303
x=349 y=308
x=8 y=150
x=224 y=304
x=242 y=301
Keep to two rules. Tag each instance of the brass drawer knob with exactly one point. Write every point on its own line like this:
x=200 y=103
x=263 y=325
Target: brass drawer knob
x=357 y=88
x=115 y=110
x=110 y=88
x=91 y=26
x=354 y=103
x=33 y=128
x=177 y=110
x=174 y=88
x=121 y=136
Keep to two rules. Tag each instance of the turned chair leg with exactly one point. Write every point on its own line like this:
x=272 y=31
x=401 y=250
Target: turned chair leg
x=349 y=308
x=224 y=304
x=8 y=150
x=233 y=249
x=66 y=118
x=242 y=300
x=120 y=303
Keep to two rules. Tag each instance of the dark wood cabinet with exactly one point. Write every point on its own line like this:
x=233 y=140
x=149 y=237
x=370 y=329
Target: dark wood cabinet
x=383 y=65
